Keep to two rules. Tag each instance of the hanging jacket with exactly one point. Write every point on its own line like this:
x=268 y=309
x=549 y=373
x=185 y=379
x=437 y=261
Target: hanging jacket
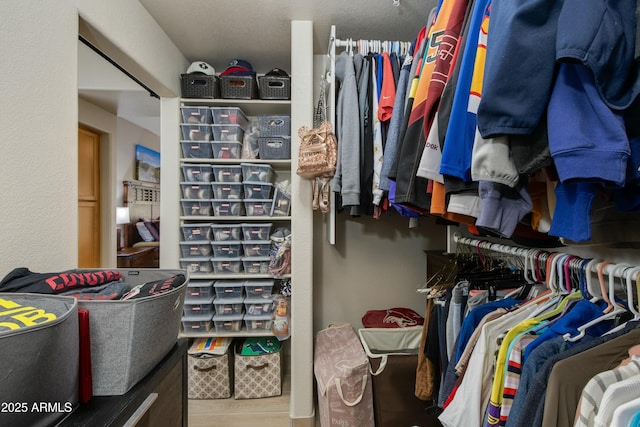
x=347 y=177
x=410 y=188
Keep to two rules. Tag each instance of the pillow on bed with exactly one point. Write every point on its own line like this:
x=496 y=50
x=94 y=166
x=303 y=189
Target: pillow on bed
x=143 y=231
x=155 y=232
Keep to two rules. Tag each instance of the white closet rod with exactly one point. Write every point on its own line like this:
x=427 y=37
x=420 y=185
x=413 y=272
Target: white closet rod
x=376 y=45
x=610 y=269
x=346 y=43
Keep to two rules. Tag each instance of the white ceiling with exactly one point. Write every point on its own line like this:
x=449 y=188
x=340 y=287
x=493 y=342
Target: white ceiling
x=259 y=31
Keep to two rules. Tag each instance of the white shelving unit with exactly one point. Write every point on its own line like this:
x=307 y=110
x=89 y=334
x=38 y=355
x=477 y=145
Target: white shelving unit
x=300 y=362
x=282 y=171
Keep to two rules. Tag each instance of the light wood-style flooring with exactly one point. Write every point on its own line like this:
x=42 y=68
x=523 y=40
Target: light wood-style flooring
x=265 y=412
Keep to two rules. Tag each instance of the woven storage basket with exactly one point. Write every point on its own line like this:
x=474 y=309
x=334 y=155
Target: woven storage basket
x=274 y=87
x=274 y=125
x=276 y=147
x=199 y=86
x=239 y=87
x=210 y=377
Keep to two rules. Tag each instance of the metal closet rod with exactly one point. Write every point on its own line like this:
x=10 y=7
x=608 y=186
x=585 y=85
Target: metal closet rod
x=354 y=43
x=611 y=268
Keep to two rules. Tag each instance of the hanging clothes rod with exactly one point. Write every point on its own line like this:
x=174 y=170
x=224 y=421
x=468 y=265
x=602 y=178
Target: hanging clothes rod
x=400 y=47
x=608 y=267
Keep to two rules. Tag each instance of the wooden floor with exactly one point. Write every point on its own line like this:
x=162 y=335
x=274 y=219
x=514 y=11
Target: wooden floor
x=265 y=412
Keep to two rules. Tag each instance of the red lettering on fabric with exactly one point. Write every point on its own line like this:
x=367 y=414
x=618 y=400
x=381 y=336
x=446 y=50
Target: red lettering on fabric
x=70 y=280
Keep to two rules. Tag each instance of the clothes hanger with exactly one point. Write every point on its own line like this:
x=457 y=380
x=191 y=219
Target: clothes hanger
x=610 y=296
x=628 y=274
x=525 y=271
x=540 y=260
x=582 y=278
x=568 y=284
x=603 y=286
x=565 y=292
x=592 y=291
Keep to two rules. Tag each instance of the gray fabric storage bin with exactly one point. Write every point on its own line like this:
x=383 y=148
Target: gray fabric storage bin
x=130 y=337
x=40 y=363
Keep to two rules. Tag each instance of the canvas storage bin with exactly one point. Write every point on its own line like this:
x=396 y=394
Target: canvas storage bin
x=257 y=376
x=40 y=361
x=130 y=337
x=393 y=358
x=210 y=377
x=341 y=368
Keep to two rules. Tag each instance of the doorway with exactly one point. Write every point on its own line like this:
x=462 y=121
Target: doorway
x=88 y=198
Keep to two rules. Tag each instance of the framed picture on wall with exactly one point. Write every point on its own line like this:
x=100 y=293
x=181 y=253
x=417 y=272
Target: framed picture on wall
x=147 y=164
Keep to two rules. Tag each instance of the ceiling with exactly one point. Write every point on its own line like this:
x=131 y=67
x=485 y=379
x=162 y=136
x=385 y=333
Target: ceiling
x=258 y=31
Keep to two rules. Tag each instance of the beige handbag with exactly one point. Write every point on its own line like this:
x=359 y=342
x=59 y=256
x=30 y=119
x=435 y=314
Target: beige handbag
x=318 y=153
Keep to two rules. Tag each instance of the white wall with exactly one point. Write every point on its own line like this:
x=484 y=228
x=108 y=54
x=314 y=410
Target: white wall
x=128 y=136
x=375 y=264
x=38 y=213
x=38 y=82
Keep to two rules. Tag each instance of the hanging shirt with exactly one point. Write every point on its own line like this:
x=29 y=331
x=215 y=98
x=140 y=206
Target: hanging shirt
x=512 y=375
x=472 y=396
x=388 y=92
x=495 y=402
x=393 y=133
x=460 y=133
x=580 y=313
x=377 y=126
x=624 y=413
x=614 y=396
x=346 y=180
x=411 y=189
x=475 y=316
x=595 y=389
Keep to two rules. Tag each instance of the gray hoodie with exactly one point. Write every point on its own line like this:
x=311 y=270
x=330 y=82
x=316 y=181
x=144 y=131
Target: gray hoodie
x=346 y=181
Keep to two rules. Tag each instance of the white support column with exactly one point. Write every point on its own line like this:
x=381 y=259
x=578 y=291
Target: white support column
x=170 y=176
x=301 y=405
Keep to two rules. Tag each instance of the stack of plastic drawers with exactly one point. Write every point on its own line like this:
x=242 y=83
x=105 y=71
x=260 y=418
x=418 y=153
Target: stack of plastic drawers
x=228 y=128
x=196 y=248
x=274 y=141
x=229 y=307
x=198 y=306
x=259 y=305
x=239 y=303
x=212 y=132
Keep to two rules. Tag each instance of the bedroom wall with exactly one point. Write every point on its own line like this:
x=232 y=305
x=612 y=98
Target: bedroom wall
x=119 y=138
x=128 y=136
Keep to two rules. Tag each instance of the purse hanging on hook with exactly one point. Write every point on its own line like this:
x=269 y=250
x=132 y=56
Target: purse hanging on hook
x=318 y=154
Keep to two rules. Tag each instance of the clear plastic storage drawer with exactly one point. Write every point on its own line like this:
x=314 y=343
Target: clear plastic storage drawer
x=227 y=249
x=197 y=264
x=224 y=173
x=229 y=288
x=224 y=232
x=199 y=290
x=256 y=172
x=228 y=306
x=196 y=248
